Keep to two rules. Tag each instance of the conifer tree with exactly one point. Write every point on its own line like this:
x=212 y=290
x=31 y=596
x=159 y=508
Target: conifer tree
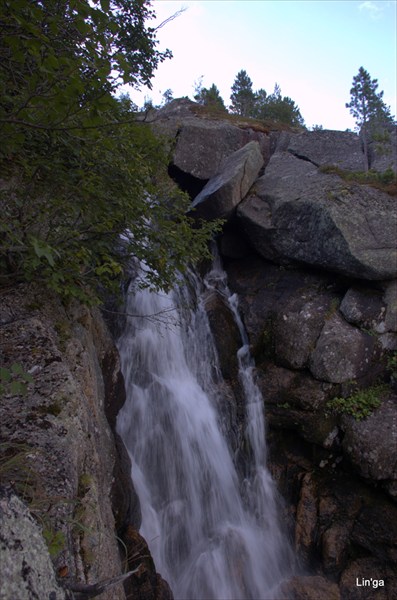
x=210 y=97
x=242 y=97
x=368 y=108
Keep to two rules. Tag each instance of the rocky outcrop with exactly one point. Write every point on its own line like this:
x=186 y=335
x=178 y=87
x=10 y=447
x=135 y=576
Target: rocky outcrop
x=200 y=143
x=341 y=149
x=219 y=198
x=296 y=213
x=61 y=453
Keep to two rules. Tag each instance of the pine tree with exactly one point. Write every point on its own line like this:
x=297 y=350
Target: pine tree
x=210 y=97
x=242 y=97
x=275 y=107
x=368 y=108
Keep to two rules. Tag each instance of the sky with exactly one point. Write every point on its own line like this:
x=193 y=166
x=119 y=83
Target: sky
x=311 y=48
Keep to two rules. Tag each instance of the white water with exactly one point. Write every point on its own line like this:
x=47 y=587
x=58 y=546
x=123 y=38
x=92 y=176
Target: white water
x=212 y=536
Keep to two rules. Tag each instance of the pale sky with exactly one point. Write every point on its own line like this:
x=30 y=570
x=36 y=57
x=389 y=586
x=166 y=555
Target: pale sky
x=311 y=48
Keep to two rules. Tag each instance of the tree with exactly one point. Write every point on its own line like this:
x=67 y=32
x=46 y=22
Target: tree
x=168 y=96
x=277 y=108
x=210 y=97
x=368 y=108
x=242 y=97
x=84 y=186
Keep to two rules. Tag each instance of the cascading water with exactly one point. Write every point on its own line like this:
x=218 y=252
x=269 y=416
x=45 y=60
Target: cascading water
x=211 y=535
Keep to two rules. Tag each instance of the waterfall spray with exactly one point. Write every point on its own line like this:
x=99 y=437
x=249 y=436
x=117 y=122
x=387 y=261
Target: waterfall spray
x=213 y=535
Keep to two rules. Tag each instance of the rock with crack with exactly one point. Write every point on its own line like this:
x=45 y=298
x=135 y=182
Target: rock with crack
x=294 y=213
x=219 y=198
x=341 y=149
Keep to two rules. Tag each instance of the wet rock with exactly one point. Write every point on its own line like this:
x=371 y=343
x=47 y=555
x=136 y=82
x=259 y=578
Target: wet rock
x=294 y=213
x=220 y=196
x=342 y=352
x=335 y=546
x=306 y=519
x=226 y=334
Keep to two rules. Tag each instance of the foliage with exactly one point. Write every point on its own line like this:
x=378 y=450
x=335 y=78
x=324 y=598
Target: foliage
x=392 y=366
x=366 y=104
x=79 y=174
x=242 y=97
x=360 y=404
x=168 y=96
x=273 y=108
x=386 y=181
x=14 y=380
x=277 y=108
x=368 y=108
x=210 y=97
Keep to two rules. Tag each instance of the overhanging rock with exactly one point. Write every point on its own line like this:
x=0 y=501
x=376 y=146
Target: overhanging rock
x=219 y=198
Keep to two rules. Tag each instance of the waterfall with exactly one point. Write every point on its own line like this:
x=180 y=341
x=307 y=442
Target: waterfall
x=213 y=534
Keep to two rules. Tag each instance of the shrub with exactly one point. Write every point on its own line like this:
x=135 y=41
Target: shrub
x=360 y=404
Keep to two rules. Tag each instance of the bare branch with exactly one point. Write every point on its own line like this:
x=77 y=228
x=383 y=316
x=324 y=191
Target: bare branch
x=171 y=18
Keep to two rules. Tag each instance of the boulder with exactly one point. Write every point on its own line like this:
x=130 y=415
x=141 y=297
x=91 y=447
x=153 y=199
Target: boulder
x=342 y=352
x=26 y=570
x=298 y=326
x=219 y=198
x=364 y=307
x=296 y=213
x=202 y=143
x=371 y=444
x=342 y=149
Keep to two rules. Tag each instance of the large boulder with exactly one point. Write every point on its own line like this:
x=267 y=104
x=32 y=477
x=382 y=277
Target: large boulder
x=221 y=195
x=201 y=144
x=371 y=444
x=342 y=352
x=296 y=213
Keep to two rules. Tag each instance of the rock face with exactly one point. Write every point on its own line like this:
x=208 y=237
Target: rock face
x=219 y=198
x=200 y=144
x=57 y=436
x=26 y=570
x=295 y=213
x=325 y=148
x=383 y=150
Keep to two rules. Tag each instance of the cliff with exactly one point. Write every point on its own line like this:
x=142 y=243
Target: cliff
x=311 y=253
x=309 y=244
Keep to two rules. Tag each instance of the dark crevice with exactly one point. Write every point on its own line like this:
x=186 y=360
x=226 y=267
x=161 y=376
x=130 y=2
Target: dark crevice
x=301 y=157
x=187 y=182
